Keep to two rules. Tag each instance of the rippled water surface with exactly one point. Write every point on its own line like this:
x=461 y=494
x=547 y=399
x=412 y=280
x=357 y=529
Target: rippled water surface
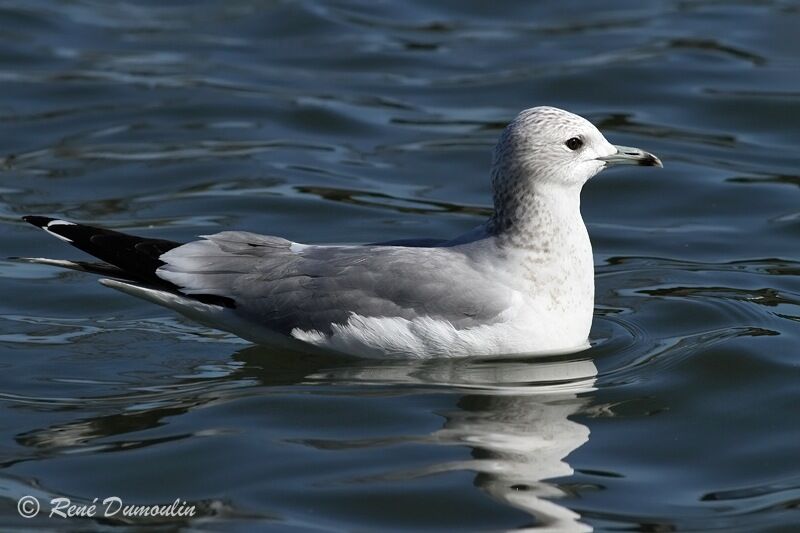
x=337 y=121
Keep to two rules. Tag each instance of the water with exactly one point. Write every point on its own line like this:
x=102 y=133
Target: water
x=346 y=121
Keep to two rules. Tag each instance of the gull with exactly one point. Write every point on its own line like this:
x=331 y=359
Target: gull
x=520 y=283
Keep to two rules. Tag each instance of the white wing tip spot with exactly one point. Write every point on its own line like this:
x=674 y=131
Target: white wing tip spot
x=60 y=223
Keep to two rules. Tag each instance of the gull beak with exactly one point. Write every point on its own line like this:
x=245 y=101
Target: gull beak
x=626 y=155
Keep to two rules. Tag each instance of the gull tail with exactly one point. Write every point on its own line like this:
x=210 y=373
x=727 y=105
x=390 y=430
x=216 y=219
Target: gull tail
x=189 y=306
x=130 y=260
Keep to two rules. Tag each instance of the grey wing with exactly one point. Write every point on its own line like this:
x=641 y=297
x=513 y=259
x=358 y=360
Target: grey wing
x=284 y=285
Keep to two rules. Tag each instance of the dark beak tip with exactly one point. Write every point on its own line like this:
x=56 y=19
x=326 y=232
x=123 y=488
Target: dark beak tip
x=651 y=161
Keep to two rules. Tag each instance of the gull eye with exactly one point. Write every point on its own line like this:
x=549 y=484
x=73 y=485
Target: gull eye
x=574 y=143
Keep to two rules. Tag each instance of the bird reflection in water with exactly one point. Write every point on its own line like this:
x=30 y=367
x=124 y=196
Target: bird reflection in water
x=513 y=414
x=515 y=418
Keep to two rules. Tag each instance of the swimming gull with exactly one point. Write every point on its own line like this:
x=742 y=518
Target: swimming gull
x=522 y=282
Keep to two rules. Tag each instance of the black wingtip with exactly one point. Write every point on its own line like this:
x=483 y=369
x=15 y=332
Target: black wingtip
x=126 y=257
x=39 y=222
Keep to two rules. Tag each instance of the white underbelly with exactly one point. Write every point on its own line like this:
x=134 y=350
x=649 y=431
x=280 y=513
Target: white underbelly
x=428 y=337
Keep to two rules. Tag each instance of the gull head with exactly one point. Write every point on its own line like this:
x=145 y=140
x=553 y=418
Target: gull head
x=551 y=146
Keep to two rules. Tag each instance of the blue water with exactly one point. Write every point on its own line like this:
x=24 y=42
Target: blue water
x=347 y=121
